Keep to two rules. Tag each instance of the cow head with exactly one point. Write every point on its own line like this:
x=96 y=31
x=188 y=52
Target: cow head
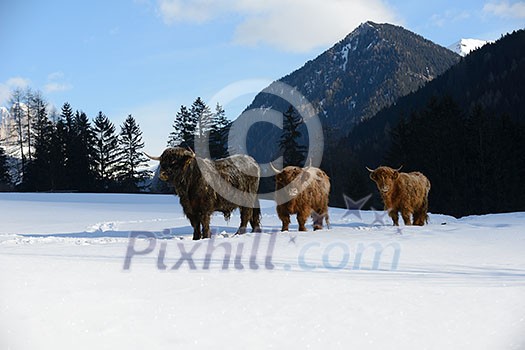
x=173 y=161
x=384 y=177
x=292 y=177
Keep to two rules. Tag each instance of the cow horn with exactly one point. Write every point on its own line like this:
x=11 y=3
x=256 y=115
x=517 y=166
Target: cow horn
x=370 y=170
x=399 y=168
x=151 y=157
x=189 y=149
x=274 y=169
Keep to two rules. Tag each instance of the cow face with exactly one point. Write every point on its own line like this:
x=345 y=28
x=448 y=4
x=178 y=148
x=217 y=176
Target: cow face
x=384 y=177
x=173 y=161
x=294 y=177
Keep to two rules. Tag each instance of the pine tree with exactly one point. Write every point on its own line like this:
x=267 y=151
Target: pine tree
x=82 y=166
x=218 y=139
x=58 y=155
x=293 y=152
x=191 y=124
x=203 y=118
x=183 y=129
x=131 y=177
x=30 y=99
x=65 y=153
x=40 y=172
x=5 y=177
x=106 y=151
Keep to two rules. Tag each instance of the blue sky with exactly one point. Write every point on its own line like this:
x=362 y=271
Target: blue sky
x=147 y=57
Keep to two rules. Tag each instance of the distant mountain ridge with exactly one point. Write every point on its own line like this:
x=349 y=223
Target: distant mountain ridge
x=349 y=83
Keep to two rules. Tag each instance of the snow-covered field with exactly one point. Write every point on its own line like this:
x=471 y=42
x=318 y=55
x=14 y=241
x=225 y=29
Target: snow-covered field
x=453 y=284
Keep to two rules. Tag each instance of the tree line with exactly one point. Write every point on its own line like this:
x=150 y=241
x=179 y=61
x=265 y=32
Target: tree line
x=462 y=129
x=473 y=158
x=67 y=151
x=46 y=150
x=42 y=150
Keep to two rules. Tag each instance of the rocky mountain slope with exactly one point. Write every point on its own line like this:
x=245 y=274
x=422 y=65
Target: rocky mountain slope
x=349 y=83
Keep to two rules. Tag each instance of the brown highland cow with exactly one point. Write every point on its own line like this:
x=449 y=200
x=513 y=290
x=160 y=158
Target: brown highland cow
x=307 y=196
x=186 y=173
x=403 y=192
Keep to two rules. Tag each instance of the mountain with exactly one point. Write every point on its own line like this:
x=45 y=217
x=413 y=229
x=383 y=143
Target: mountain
x=464 y=46
x=349 y=83
x=4 y=119
x=4 y=112
x=8 y=124
x=9 y=139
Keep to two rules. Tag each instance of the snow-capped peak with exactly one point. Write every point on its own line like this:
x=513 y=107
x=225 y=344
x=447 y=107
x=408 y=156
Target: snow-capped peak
x=3 y=111
x=4 y=114
x=464 y=46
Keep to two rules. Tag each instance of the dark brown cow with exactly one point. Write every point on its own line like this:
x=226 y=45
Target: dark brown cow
x=186 y=173
x=302 y=191
x=403 y=192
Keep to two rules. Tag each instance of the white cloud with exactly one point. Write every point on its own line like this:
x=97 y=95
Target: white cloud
x=441 y=20
x=55 y=83
x=505 y=9
x=57 y=87
x=9 y=85
x=192 y=10
x=55 y=76
x=289 y=25
x=18 y=82
x=301 y=25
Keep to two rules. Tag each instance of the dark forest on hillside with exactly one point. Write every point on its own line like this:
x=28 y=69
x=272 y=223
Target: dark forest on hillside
x=464 y=130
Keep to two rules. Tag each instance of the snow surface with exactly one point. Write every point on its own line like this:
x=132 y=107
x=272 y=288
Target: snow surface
x=464 y=46
x=457 y=283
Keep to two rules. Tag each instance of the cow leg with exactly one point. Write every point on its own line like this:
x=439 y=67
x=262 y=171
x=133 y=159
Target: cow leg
x=327 y=220
x=395 y=216
x=246 y=215
x=418 y=220
x=406 y=217
x=318 y=220
x=284 y=216
x=302 y=216
x=420 y=217
x=196 y=224
x=417 y=217
x=255 y=220
x=206 y=233
x=286 y=222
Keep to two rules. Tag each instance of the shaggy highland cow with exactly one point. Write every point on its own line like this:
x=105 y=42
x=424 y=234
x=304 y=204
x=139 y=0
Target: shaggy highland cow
x=403 y=192
x=190 y=177
x=302 y=191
